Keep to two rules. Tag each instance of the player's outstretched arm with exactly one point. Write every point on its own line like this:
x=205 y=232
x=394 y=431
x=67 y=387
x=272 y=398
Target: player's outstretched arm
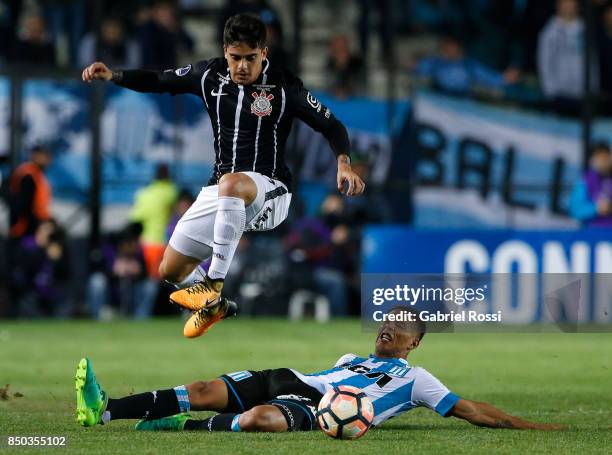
x=485 y=415
x=182 y=80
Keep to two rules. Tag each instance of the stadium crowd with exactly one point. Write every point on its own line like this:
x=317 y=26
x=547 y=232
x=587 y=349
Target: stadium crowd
x=504 y=49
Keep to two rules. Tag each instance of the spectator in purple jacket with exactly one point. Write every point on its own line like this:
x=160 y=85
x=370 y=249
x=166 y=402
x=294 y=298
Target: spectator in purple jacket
x=591 y=200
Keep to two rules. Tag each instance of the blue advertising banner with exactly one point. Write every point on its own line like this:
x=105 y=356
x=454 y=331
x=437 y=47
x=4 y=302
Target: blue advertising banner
x=543 y=262
x=483 y=166
x=56 y=114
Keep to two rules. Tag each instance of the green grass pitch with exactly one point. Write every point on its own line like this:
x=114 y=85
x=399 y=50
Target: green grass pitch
x=549 y=377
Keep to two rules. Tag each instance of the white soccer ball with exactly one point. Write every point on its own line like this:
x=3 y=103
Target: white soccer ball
x=345 y=412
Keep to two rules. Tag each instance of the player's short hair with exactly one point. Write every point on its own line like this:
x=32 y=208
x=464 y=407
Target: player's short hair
x=245 y=28
x=416 y=326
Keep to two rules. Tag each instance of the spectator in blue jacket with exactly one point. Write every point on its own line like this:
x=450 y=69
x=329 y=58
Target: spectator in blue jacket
x=591 y=199
x=453 y=73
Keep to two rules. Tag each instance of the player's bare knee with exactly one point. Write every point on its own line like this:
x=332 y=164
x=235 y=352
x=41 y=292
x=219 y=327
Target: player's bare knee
x=259 y=418
x=198 y=393
x=238 y=185
x=230 y=185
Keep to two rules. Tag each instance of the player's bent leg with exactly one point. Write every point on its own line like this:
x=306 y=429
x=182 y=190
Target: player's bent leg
x=208 y=395
x=176 y=267
x=236 y=191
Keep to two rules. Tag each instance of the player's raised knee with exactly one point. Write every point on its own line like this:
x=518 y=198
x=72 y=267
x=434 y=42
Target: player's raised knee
x=238 y=185
x=262 y=418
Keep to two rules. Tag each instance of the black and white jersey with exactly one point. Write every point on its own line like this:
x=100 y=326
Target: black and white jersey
x=251 y=123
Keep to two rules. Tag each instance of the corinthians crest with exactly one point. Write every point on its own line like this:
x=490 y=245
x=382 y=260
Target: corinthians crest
x=261 y=106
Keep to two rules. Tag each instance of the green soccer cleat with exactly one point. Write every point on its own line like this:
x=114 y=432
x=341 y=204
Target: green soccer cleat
x=172 y=423
x=91 y=399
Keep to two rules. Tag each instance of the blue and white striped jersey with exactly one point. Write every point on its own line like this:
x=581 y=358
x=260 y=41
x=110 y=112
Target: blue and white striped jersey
x=392 y=384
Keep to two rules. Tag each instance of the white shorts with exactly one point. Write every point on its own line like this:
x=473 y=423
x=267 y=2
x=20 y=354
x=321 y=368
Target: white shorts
x=193 y=235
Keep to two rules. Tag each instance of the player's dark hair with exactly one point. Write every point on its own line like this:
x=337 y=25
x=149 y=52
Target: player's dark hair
x=245 y=28
x=416 y=326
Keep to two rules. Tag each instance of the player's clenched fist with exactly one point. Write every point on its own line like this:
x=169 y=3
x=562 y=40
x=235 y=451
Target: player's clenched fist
x=97 y=71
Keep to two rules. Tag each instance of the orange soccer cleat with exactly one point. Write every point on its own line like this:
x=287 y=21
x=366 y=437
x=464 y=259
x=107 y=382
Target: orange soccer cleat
x=203 y=294
x=201 y=321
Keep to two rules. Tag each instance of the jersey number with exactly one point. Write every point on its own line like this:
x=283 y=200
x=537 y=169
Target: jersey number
x=383 y=378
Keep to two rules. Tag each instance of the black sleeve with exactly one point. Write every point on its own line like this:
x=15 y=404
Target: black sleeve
x=310 y=110
x=175 y=81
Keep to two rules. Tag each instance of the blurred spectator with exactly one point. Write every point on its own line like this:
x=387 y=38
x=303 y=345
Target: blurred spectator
x=29 y=194
x=385 y=26
x=591 y=199
x=561 y=59
x=10 y=11
x=152 y=209
x=42 y=271
x=453 y=73
x=183 y=202
x=33 y=44
x=346 y=71
x=311 y=252
x=161 y=36
x=122 y=277
x=110 y=45
x=66 y=19
x=605 y=59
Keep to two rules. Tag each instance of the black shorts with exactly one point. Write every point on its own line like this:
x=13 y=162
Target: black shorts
x=297 y=401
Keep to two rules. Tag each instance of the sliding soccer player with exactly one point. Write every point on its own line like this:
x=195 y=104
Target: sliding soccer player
x=286 y=400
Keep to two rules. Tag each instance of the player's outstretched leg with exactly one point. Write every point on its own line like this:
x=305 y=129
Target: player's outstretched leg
x=91 y=399
x=201 y=321
x=262 y=418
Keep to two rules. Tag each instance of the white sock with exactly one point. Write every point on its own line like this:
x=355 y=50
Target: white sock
x=229 y=226
x=106 y=417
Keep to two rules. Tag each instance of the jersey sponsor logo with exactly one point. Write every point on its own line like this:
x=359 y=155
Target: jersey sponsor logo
x=314 y=103
x=265 y=87
x=182 y=71
x=262 y=105
x=223 y=78
x=219 y=93
x=327 y=113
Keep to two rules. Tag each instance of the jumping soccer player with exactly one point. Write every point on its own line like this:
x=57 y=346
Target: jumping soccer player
x=286 y=400
x=252 y=107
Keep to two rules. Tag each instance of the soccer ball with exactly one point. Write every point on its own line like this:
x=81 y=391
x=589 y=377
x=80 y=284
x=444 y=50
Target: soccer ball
x=345 y=412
